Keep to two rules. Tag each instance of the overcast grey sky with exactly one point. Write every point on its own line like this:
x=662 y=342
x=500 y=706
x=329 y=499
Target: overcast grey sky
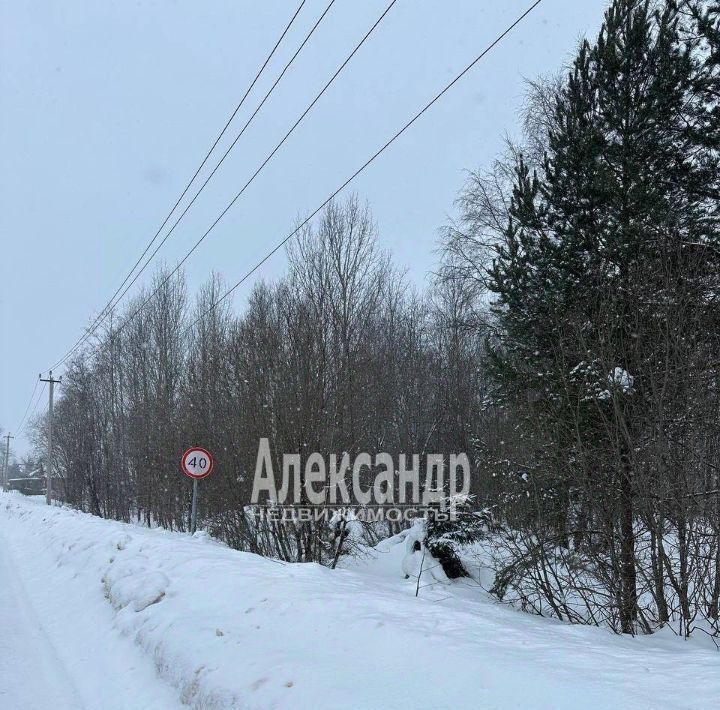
x=109 y=106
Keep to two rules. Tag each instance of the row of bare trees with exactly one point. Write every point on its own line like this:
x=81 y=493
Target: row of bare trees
x=338 y=356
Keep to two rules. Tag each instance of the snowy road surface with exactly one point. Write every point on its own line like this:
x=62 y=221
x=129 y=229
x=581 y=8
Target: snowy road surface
x=31 y=675
x=58 y=649
x=110 y=616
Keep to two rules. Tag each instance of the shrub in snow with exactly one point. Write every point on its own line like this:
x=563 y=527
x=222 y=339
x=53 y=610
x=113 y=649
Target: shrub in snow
x=419 y=560
x=435 y=545
x=345 y=526
x=349 y=535
x=445 y=538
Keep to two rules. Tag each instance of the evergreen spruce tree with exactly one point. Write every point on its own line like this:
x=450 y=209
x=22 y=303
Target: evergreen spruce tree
x=601 y=245
x=446 y=536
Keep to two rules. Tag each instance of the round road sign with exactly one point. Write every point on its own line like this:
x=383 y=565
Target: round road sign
x=197 y=463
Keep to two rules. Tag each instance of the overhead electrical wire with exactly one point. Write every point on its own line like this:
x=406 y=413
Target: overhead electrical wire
x=27 y=409
x=279 y=145
x=26 y=419
x=109 y=305
x=366 y=164
x=101 y=318
x=361 y=169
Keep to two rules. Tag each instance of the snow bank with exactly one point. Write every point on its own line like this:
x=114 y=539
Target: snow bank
x=232 y=630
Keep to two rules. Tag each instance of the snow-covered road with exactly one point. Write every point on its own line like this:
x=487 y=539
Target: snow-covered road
x=32 y=677
x=58 y=647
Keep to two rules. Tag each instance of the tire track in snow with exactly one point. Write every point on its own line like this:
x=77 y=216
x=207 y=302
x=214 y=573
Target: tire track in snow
x=32 y=677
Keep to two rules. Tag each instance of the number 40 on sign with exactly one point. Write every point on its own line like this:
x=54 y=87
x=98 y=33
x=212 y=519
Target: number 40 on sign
x=196 y=463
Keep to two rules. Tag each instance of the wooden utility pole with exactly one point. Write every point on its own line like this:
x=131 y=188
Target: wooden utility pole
x=49 y=464
x=7 y=461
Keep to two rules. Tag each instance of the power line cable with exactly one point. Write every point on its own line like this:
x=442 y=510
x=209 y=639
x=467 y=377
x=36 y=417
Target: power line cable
x=27 y=409
x=381 y=150
x=35 y=406
x=109 y=304
x=363 y=167
x=99 y=321
x=167 y=278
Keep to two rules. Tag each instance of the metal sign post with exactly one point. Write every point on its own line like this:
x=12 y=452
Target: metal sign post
x=193 y=514
x=196 y=463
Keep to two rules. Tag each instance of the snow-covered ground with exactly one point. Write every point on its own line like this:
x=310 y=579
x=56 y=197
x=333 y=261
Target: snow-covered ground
x=99 y=614
x=26 y=654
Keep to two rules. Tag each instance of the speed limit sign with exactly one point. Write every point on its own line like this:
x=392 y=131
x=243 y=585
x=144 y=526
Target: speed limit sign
x=197 y=463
